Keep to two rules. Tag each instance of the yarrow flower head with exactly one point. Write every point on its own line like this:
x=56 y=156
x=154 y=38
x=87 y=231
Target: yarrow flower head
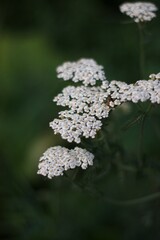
x=85 y=70
x=82 y=99
x=58 y=159
x=73 y=126
x=141 y=91
x=139 y=11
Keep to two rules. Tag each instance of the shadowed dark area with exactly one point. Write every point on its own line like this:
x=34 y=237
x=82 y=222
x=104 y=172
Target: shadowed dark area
x=107 y=201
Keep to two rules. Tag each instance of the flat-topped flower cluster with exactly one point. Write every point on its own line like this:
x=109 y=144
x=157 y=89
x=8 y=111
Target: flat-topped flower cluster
x=87 y=106
x=85 y=70
x=58 y=159
x=139 y=11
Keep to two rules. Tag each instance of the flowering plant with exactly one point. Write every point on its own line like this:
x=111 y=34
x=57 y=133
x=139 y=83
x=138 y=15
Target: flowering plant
x=90 y=103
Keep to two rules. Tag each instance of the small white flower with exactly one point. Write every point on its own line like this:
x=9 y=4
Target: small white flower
x=105 y=85
x=155 y=76
x=85 y=70
x=58 y=159
x=139 y=11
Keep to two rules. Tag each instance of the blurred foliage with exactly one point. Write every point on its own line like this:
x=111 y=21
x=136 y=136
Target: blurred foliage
x=35 y=37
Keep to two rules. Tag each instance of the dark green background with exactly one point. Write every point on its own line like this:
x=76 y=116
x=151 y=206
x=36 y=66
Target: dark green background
x=35 y=37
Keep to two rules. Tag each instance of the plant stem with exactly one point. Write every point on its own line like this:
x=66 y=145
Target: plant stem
x=129 y=202
x=134 y=201
x=141 y=51
x=144 y=115
x=140 y=158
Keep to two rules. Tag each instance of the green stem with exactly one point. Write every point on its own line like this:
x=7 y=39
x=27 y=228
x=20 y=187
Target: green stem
x=141 y=152
x=140 y=162
x=132 y=123
x=141 y=51
x=130 y=202
x=134 y=201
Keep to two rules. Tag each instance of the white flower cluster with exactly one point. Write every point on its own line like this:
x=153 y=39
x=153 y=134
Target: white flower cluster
x=139 y=11
x=142 y=90
x=87 y=106
x=73 y=126
x=85 y=70
x=82 y=99
x=58 y=159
